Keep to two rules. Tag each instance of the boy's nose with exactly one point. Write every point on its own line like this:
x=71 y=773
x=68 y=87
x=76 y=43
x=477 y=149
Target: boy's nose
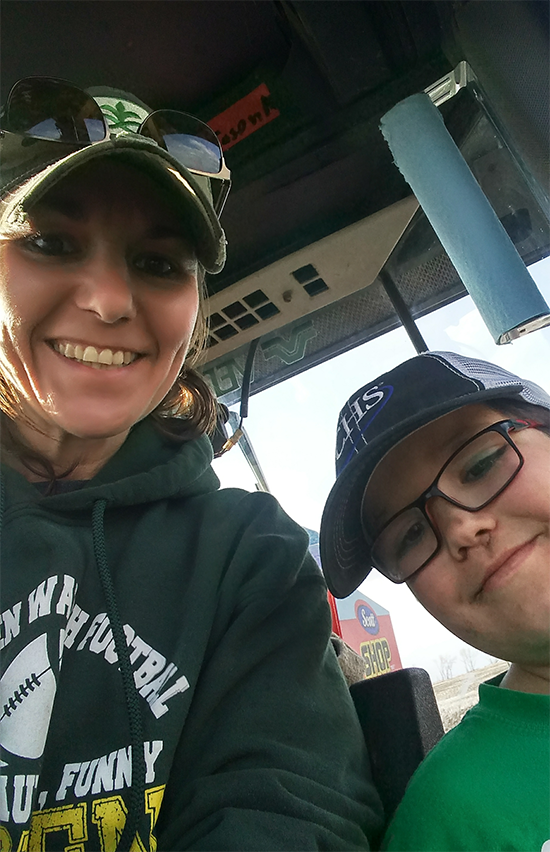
x=460 y=528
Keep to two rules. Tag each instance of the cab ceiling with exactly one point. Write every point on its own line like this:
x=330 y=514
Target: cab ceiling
x=331 y=70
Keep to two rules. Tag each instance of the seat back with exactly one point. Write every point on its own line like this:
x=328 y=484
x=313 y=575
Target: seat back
x=401 y=723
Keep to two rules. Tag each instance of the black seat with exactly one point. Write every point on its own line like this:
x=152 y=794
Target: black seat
x=401 y=723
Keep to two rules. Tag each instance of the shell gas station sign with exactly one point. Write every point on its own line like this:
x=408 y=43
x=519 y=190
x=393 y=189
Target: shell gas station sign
x=366 y=627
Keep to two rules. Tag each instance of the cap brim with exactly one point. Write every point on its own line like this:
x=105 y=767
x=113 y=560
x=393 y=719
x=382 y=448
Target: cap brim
x=190 y=191
x=345 y=554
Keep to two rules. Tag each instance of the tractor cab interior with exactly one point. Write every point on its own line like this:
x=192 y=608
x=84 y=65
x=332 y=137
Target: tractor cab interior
x=328 y=247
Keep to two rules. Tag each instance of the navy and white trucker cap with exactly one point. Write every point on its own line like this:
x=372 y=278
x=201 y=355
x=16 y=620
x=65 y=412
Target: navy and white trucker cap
x=378 y=416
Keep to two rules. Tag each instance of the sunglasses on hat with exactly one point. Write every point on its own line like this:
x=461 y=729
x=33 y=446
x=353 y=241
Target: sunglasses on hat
x=53 y=110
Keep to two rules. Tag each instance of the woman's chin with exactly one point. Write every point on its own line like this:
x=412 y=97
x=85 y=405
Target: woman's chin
x=83 y=426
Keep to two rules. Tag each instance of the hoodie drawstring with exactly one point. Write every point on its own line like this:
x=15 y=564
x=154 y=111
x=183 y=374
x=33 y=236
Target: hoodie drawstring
x=137 y=790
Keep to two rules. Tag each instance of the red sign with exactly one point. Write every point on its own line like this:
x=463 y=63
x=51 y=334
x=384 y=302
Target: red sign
x=244 y=117
x=366 y=627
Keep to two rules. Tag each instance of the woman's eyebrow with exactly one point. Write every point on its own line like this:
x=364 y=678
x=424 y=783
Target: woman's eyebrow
x=172 y=232
x=71 y=208
x=167 y=232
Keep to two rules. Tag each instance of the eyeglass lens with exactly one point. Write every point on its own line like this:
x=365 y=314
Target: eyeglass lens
x=189 y=140
x=51 y=109
x=471 y=479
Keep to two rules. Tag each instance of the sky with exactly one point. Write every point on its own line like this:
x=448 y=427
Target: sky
x=292 y=427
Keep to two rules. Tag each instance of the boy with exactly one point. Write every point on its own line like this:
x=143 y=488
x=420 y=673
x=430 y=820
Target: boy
x=443 y=482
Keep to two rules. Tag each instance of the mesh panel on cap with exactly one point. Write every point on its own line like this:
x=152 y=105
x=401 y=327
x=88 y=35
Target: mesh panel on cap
x=492 y=377
x=532 y=393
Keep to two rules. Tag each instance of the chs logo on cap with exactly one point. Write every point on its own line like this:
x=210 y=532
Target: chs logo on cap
x=354 y=420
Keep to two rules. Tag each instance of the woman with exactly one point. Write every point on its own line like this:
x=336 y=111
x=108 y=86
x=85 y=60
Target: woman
x=166 y=673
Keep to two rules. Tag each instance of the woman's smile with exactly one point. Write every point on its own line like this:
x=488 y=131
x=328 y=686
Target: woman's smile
x=93 y=356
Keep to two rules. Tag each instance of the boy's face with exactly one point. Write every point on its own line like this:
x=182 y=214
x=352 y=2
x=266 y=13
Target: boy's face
x=490 y=582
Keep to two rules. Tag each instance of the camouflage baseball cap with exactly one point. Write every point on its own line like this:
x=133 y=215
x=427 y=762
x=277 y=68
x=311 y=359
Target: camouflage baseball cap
x=30 y=167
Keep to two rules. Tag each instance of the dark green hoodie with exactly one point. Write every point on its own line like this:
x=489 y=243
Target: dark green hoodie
x=226 y=724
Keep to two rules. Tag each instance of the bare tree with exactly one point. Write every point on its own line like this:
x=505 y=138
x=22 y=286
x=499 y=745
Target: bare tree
x=445 y=665
x=467 y=655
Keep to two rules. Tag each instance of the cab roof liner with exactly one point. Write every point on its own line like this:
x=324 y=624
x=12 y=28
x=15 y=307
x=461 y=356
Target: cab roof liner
x=296 y=91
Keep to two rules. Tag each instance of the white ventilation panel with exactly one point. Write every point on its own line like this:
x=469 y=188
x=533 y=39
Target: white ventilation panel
x=309 y=279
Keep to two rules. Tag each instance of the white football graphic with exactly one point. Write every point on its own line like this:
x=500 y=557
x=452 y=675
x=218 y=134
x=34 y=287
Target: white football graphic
x=27 y=691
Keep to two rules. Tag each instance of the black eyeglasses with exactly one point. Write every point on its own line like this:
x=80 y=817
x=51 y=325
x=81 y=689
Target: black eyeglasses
x=56 y=111
x=471 y=478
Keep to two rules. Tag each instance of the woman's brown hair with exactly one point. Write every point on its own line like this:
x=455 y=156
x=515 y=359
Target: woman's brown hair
x=189 y=409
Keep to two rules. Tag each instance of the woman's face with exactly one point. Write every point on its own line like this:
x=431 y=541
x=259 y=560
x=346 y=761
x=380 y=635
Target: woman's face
x=98 y=303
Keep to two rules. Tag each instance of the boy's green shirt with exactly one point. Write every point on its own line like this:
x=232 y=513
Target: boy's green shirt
x=486 y=784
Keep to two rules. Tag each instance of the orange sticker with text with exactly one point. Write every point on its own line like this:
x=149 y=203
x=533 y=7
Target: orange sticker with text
x=244 y=117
